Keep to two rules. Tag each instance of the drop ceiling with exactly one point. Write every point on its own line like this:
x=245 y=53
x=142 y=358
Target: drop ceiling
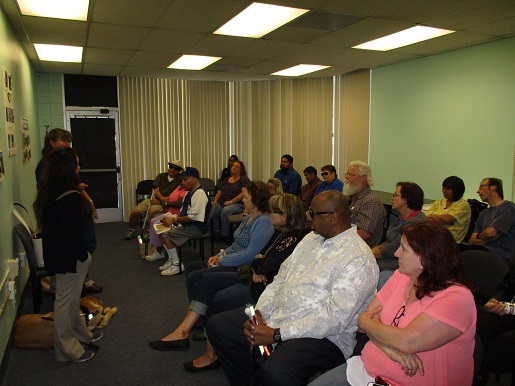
x=140 y=38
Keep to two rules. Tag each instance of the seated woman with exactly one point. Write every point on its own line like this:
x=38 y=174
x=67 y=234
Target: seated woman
x=173 y=205
x=226 y=172
x=289 y=221
x=331 y=181
x=228 y=199
x=452 y=211
x=422 y=323
x=275 y=185
x=221 y=271
x=407 y=200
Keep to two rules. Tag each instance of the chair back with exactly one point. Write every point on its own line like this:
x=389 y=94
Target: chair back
x=26 y=240
x=143 y=190
x=486 y=270
x=209 y=186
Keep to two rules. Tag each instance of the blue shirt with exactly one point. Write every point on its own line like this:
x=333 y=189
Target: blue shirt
x=335 y=184
x=291 y=181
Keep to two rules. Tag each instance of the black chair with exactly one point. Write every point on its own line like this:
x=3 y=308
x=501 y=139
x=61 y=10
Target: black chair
x=209 y=186
x=485 y=270
x=36 y=273
x=205 y=236
x=143 y=190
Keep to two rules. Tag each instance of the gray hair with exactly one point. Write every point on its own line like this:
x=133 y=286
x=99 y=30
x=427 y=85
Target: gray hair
x=364 y=170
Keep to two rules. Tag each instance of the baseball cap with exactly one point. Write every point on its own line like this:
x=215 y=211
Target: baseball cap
x=190 y=172
x=176 y=163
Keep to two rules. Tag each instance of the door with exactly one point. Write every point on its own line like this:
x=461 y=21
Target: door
x=95 y=138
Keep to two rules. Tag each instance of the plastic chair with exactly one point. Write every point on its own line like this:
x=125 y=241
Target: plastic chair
x=209 y=186
x=143 y=190
x=205 y=236
x=486 y=270
x=36 y=273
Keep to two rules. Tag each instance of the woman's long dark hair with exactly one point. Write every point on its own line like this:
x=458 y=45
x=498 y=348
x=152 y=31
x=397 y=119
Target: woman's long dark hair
x=55 y=135
x=59 y=167
x=439 y=254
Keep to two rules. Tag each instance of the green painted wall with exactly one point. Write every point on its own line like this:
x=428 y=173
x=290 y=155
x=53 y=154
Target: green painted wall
x=448 y=114
x=19 y=183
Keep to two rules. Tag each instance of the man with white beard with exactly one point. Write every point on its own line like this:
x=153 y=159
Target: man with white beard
x=367 y=212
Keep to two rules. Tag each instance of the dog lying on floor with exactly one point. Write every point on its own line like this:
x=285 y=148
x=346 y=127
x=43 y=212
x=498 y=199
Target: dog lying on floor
x=37 y=330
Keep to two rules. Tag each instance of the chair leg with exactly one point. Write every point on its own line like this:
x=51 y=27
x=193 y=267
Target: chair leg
x=179 y=253
x=201 y=247
x=36 y=293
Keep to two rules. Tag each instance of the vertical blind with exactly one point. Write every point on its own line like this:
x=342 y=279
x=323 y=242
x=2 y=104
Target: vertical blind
x=202 y=123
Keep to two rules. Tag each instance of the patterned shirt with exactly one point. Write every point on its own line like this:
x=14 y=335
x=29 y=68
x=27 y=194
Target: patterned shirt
x=321 y=288
x=368 y=213
x=460 y=210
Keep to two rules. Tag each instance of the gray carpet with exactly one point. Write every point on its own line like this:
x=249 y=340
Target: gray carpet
x=150 y=306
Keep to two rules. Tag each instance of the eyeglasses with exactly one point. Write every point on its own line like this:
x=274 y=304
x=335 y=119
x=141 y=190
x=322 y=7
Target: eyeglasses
x=400 y=314
x=275 y=211
x=313 y=214
x=324 y=173
x=396 y=195
x=484 y=186
x=175 y=168
x=352 y=175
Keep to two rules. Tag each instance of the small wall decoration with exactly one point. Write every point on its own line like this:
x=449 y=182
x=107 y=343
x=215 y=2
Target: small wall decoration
x=2 y=167
x=9 y=112
x=25 y=140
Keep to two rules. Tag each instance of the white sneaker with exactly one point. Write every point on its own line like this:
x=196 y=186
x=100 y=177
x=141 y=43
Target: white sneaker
x=167 y=265
x=173 y=270
x=155 y=256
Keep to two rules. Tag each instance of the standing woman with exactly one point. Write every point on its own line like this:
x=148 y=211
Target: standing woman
x=64 y=218
x=228 y=199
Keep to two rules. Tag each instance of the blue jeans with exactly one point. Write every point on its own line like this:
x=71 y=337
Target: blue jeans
x=222 y=214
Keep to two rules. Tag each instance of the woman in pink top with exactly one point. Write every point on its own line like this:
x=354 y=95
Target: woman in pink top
x=422 y=323
x=173 y=205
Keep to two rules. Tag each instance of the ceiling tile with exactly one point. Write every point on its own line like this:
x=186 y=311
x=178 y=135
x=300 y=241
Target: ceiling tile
x=50 y=31
x=107 y=56
x=116 y=36
x=145 y=13
x=166 y=40
x=101 y=69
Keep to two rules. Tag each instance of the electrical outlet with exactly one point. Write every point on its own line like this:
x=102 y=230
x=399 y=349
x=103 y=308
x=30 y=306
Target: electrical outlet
x=23 y=259
x=12 y=289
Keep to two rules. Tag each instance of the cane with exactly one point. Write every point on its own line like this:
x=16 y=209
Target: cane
x=140 y=239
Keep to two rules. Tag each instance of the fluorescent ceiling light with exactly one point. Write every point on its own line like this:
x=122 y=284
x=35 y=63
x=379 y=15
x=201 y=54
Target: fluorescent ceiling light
x=404 y=38
x=193 y=62
x=59 y=9
x=299 y=70
x=258 y=19
x=56 y=53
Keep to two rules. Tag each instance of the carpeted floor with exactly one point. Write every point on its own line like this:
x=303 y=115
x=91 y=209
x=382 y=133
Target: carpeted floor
x=150 y=306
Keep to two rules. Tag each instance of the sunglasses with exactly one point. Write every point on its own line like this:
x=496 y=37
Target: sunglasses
x=175 y=168
x=324 y=173
x=313 y=214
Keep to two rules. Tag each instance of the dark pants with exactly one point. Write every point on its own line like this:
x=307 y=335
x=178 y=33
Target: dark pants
x=497 y=334
x=292 y=363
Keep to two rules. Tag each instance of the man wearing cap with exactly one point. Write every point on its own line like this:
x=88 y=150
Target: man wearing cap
x=191 y=222
x=164 y=184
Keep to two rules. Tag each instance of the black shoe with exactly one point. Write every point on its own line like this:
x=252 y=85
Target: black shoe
x=212 y=366
x=199 y=335
x=91 y=346
x=93 y=289
x=172 y=345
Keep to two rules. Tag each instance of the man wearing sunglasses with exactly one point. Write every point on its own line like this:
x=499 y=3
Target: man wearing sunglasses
x=331 y=180
x=164 y=184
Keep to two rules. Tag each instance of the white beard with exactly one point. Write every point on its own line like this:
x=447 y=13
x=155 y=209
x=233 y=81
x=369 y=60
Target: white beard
x=350 y=190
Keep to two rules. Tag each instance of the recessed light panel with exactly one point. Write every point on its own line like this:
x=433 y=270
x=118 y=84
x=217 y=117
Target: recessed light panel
x=56 y=53
x=299 y=70
x=193 y=62
x=404 y=38
x=258 y=19
x=59 y=9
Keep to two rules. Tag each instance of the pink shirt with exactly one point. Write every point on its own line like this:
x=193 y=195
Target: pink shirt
x=450 y=364
x=174 y=196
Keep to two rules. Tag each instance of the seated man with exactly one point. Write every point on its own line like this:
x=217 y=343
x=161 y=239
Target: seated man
x=288 y=176
x=191 y=222
x=495 y=226
x=307 y=192
x=366 y=211
x=164 y=184
x=496 y=328
x=310 y=310
x=331 y=180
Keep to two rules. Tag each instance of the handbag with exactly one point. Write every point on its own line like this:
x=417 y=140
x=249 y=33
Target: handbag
x=245 y=273
x=37 y=241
